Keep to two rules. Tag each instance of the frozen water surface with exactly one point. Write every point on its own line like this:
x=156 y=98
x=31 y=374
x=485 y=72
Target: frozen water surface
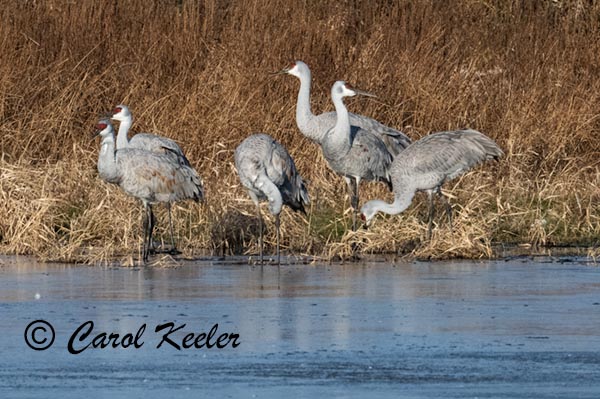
x=498 y=329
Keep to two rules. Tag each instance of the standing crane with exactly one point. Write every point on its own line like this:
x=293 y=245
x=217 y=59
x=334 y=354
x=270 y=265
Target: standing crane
x=268 y=172
x=150 y=177
x=145 y=141
x=107 y=150
x=316 y=126
x=353 y=152
x=149 y=142
x=427 y=164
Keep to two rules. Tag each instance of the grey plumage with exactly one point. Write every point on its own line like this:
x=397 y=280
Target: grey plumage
x=154 y=178
x=268 y=172
x=149 y=142
x=316 y=126
x=353 y=152
x=145 y=141
x=443 y=156
x=106 y=169
x=430 y=162
x=393 y=140
x=163 y=145
x=150 y=177
x=366 y=158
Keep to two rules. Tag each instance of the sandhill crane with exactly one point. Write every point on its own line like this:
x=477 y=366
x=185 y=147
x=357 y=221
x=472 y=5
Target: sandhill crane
x=353 y=152
x=427 y=164
x=107 y=149
x=148 y=176
x=145 y=141
x=268 y=172
x=316 y=126
x=149 y=142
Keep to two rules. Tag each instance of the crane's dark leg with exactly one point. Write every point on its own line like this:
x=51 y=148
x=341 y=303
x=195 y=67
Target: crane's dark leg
x=148 y=226
x=260 y=232
x=431 y=214
x=152 y=224
x=152 y=219
x=145 y=232
x=448 y=208
x=277 y=224
x=151 y=248
x=173 y=250
x=353 y=187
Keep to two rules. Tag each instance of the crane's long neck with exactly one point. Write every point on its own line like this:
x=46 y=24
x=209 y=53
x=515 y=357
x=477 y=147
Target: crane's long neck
x=107 y=164
x=339 y=138
x=305 y=119
x=122 y=140
x=401 y=202
x=272 y=193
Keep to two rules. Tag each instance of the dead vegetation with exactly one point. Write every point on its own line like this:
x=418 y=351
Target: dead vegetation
x=525 y=73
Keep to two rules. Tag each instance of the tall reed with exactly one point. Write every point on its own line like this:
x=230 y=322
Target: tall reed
x=525 y=73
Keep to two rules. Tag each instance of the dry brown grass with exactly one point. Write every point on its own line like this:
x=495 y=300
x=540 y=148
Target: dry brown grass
x=525 y=73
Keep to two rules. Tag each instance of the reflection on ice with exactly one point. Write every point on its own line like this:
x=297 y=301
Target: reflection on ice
x=471 y=328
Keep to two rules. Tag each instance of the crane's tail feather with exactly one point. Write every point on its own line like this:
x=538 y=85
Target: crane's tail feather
x=177 y=155
x=488 y=149
x=193 y=188
x=304 y=194
x=301 y=198
x=396 y=141
x=388 y=181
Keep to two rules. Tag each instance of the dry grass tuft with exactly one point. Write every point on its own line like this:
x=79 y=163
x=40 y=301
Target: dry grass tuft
x=525 y=73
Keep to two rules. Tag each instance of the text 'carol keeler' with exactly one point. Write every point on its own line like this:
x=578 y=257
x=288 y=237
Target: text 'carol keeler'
x=40 y=335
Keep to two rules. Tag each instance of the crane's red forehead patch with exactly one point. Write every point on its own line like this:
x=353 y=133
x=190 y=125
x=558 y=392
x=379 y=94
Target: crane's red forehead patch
x=348 y=86
x=101 y=126
x=117 y=110
x=362 y=216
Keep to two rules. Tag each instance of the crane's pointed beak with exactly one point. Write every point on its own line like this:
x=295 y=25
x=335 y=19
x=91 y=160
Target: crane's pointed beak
x=364 y=93
x=284 y=71
x=95 y=134
x=98 y=128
